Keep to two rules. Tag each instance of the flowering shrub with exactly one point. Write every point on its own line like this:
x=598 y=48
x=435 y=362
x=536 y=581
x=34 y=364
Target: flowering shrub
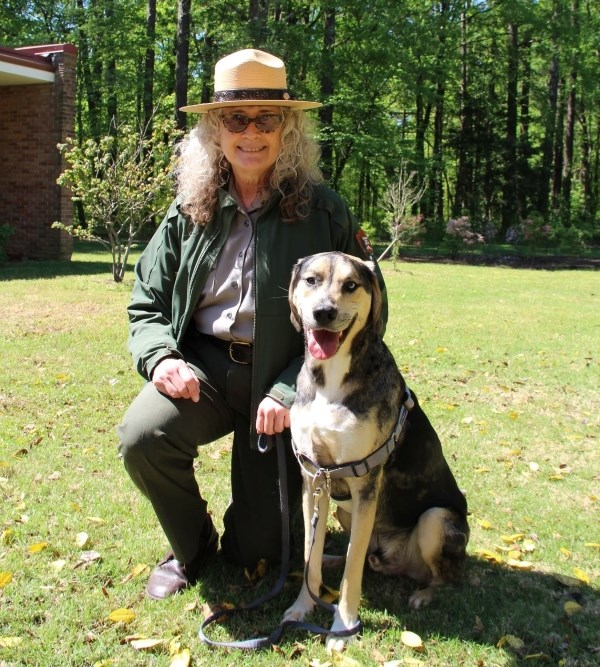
x=532 y=231
x=459 y=233
x=461 y=229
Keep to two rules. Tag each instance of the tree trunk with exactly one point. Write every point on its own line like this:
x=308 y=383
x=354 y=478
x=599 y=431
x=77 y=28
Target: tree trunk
x=464 y=172
x=92 y=91
x=327 y=90
x=258 y=13
x=148 y=96
x=510 y=215
x=182 y=54
x=569 y=139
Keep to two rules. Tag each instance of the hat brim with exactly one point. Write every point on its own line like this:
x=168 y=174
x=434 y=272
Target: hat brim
x=296 y=105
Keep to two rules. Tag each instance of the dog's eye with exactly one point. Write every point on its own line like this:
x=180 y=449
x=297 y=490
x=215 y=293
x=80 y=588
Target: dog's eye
x=350 y=286
x=311 y=280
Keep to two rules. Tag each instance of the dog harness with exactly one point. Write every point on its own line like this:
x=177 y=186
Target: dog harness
x=363 y=466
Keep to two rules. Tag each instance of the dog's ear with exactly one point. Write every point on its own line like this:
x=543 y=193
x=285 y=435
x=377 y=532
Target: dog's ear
x=294 y=314
x=376 y=299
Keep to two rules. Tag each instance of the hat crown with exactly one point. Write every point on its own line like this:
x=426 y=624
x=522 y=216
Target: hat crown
x=248 y=69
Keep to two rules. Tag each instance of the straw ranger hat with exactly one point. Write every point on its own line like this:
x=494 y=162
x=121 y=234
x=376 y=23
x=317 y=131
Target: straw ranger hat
x=250 y=77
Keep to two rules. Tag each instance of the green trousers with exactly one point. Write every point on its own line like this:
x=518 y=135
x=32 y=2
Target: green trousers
x=160 y=437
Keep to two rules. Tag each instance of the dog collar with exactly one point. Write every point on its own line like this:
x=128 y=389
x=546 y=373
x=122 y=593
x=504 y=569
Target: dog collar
x=363 y=466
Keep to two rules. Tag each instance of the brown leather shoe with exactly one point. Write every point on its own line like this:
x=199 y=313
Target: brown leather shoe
x=171 y=576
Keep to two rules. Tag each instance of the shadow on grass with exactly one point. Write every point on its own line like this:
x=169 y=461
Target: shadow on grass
x=88 y=259
x=492 y=607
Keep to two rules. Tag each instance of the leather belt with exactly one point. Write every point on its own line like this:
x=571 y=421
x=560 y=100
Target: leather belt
x=239 y=351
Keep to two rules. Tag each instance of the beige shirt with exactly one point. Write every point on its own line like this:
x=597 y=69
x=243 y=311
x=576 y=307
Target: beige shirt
x=226 y=306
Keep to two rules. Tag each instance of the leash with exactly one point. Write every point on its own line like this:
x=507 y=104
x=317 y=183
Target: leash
x=265 y=444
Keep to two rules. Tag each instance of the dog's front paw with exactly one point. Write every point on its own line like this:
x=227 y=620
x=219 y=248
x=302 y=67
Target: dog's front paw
x=338 y=644
x=298 y=611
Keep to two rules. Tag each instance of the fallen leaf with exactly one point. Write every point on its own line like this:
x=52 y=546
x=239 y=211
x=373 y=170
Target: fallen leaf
x=581 y=575
x=210 y=609
x=191 y=606
x=519 y=564
x=146 y=644
x=343 y=660
x=315 y=662
x=54 y=476
x=412 y=640
x=485 y=524
x=328 y=594
x=512 y=641
x=181 y=658
x=556 y=478
x=7 y=536
x=565 y=552
x=592 y=545
x=5 y=579
x=121 y=615
x=95 y=519
x=82 y=539
x=571 y=607
x=140 y=568
x=10 y=642
x=490 y=556
x=538 y=656
x=393 y=663
x=529 y=546
x=512 y=539
x=36 y=548
x=58 y=565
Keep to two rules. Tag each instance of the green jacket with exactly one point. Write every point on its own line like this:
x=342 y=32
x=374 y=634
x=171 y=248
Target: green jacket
x=174 y=267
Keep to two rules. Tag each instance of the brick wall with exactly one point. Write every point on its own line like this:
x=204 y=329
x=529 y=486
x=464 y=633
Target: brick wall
x=33 y=120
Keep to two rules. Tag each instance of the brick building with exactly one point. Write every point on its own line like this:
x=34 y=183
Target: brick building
x=37 y=112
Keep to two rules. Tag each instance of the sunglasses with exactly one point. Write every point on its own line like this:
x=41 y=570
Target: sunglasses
x=238 y=122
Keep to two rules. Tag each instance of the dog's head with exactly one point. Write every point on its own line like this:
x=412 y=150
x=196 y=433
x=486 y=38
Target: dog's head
x=332 y=295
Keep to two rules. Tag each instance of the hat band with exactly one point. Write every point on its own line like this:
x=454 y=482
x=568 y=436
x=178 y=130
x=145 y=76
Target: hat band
x=251 y=94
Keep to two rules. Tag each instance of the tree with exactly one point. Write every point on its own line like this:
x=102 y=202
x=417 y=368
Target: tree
x=122 y=180
x=182 y=56
x=402 y=198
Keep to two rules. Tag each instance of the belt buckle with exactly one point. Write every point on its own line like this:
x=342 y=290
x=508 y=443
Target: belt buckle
x=232 y=347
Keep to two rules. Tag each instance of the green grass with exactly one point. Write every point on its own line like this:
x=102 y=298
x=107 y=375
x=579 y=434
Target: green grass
x=507 y=364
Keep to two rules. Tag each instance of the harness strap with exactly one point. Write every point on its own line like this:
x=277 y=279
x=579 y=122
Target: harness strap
x=364 y=466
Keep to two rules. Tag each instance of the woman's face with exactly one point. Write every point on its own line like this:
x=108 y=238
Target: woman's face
x=251 y=152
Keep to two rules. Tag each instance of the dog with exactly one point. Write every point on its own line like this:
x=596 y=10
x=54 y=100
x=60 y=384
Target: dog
x=405 y=515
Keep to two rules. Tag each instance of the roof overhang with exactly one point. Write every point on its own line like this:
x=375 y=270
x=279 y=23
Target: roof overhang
x=19 y=67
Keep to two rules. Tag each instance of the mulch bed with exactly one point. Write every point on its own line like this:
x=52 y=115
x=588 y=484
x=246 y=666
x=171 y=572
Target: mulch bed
x=549 y=263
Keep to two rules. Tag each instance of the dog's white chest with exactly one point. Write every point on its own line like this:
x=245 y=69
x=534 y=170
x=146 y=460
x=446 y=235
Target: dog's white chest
x=331 y=430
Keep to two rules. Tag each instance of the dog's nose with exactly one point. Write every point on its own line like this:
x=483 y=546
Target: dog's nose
x=325 y=314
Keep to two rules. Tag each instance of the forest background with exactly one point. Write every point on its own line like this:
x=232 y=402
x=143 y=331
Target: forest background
x=494 y=106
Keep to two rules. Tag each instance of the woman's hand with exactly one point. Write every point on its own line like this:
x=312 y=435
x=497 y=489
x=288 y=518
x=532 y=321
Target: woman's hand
x=272 y=417
x=176 y=379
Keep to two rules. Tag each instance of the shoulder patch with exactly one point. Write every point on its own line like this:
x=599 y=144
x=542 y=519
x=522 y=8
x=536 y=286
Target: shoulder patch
x=365 y=245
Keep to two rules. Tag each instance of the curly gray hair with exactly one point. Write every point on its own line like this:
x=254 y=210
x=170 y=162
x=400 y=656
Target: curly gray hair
x=202 y=167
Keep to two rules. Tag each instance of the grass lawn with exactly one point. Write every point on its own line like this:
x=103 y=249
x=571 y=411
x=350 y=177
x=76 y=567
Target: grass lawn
x=507 y=365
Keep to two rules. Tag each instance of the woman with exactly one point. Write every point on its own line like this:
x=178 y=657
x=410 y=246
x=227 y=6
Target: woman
x=209 y=316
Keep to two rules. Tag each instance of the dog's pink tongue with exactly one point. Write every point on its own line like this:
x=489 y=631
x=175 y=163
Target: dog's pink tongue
x=322 y=344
